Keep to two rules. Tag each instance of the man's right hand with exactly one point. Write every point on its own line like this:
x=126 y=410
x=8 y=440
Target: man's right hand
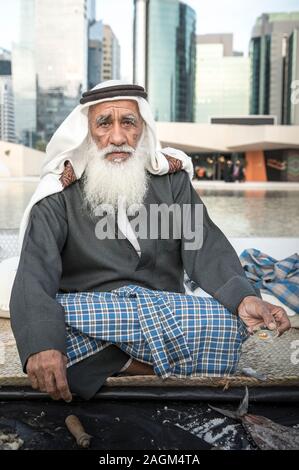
x=47 y=372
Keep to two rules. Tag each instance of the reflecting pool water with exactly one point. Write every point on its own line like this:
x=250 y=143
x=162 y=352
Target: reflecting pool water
x=239 y=213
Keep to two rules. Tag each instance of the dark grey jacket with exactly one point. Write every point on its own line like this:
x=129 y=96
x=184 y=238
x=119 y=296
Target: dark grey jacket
x=62 y=253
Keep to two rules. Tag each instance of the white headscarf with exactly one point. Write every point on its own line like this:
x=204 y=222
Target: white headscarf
x=65 y=145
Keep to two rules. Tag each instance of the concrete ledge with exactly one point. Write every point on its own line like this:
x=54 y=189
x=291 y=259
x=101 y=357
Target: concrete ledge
x=264 y=185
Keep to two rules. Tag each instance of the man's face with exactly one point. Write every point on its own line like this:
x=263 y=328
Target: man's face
x=115 y=123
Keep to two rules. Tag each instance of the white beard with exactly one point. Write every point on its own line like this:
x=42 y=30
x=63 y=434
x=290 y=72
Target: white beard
x=104 y=182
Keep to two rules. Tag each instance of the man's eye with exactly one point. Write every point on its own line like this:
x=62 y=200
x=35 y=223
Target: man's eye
x=128 y=123
x=103 y=124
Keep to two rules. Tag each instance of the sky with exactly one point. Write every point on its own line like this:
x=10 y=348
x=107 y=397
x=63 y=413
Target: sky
x=213 y=16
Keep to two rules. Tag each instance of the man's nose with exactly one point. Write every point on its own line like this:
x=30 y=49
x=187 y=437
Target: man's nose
x=117 y=135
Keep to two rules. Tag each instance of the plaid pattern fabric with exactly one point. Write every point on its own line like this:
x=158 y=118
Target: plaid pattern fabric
x=178 y=334
x=281 y=278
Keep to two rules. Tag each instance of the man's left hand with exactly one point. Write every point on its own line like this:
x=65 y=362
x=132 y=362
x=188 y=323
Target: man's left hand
x=255 y=313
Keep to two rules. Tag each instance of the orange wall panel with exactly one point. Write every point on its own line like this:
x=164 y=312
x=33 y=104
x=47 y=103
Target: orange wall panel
x=255 y=166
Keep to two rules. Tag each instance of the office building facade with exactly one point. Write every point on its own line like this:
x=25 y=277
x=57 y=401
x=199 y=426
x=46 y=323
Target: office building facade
x=164 y=57
x=61 y=60
x=290 y=104
x=271 y=38
x=7 y=115
x=186 y=64
x=111 y=55
x=50 y=63
x=95 y=53
x=222 y=78
x=24 y=74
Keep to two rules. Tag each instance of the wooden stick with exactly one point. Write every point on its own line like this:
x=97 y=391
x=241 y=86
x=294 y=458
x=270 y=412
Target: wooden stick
x=75 y=427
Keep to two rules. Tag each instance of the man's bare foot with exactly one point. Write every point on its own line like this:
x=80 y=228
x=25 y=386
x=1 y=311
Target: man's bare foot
x=139 y=368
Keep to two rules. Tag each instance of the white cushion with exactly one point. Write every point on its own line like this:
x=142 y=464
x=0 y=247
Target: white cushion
x=274 y=300
x=293 y=316
x=8 y=269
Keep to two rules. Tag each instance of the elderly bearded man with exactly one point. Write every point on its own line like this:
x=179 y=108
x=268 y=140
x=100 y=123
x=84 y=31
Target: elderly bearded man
x=85 y=307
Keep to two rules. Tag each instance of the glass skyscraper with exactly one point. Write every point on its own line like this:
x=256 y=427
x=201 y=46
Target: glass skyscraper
x=61 y=60
x=91 y=10
x=111 y=55
x=164 y=56
x=267 y=51
x=24 y=74
x=163 y=24
x=186 y=64
x=7 y=115
x=49 y=64
x=95 y=53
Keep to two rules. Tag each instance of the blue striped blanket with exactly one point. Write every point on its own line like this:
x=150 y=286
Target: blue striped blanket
x=280 y=278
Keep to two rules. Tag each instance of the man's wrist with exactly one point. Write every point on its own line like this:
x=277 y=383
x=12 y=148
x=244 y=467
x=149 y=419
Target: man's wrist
x=233 y=292
x=245 y=300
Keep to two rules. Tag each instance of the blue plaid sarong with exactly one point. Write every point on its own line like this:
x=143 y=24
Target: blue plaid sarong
x=281 y=278
x=177 y=334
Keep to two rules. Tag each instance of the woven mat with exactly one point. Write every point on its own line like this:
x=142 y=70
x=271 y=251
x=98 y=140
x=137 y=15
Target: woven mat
x=272 y=359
